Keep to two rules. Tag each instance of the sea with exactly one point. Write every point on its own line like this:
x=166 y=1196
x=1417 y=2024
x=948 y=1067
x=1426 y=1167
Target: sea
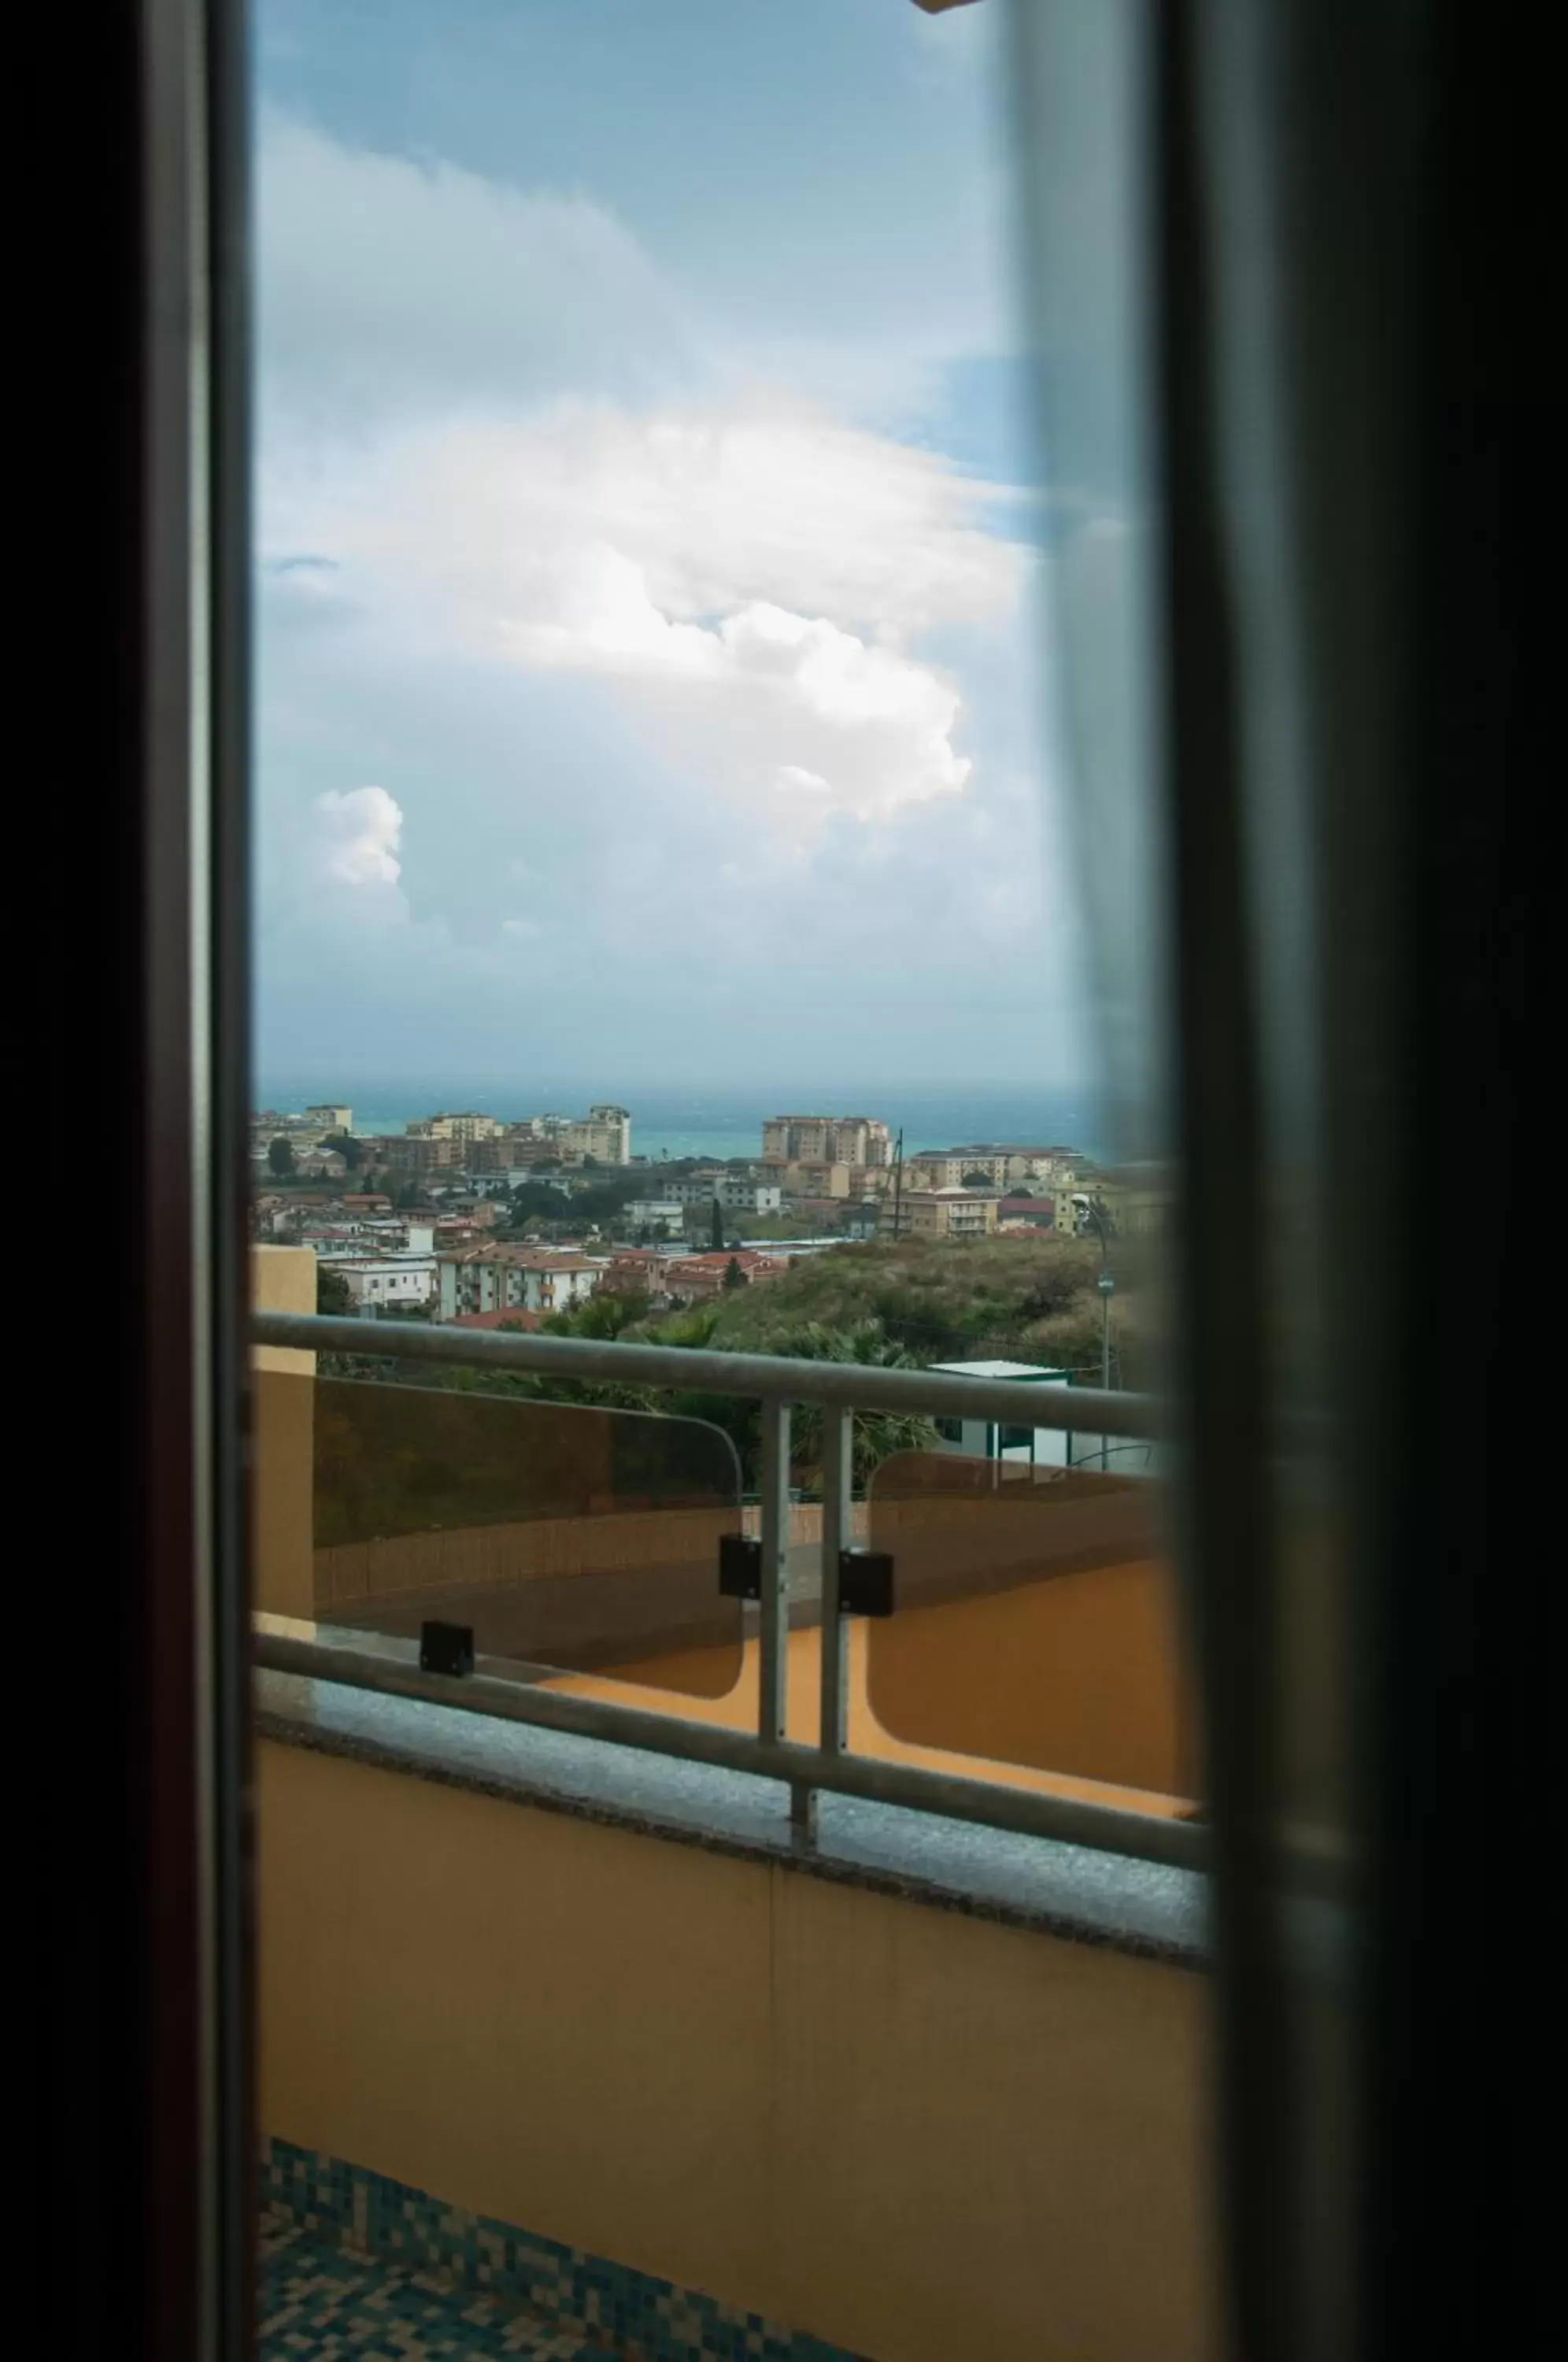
x=678 y=1121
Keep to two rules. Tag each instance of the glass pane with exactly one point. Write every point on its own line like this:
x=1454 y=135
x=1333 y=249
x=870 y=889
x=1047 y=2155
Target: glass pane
x=576 y=1540
x=1035 y=1621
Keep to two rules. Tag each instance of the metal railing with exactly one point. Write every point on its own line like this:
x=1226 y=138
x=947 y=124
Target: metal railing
x=838 y=1388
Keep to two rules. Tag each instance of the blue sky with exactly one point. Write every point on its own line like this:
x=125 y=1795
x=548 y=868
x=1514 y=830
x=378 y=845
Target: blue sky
x=649 y=669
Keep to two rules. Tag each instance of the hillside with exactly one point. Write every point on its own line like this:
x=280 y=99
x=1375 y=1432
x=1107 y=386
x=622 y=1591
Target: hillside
x=1034 y=1299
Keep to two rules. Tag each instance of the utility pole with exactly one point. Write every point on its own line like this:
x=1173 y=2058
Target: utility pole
x=897 y=1181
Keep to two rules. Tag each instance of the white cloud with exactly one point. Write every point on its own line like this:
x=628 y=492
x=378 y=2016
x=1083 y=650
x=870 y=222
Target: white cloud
x=360 y=829
x=752 y=582
x=718 y=684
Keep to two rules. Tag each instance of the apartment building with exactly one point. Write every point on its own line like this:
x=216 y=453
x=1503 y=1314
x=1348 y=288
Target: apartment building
x=604 y=1134
x=938 y=1214
x=416 y=1152
x=742 y=1196
x=691 y=1278
x=734 y=1191
x=826 y=1140
x=321 y=1164
x=456 y=1127
x=386 y=1283
x=663 y=1214
x=513 y=1278
x=632 y=1270
x=1001 y=1166
x=814 y=1177
x=331 y=1117
x=306 y=1130
x=694 y=1189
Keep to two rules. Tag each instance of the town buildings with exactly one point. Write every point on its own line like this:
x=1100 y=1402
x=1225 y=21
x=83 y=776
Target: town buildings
x=1001 y=1166
x=463 y=1128
x=604 y=1134
x=691 y=1279
x=938 y=1214
x=514 y=1278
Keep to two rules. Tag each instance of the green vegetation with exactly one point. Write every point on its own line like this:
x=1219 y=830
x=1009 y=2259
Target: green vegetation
x=1025 y=1298
x=280 y=1157
x=886 y=1303
x=596 y=1205
x=333 y=1292
x=785 y=1226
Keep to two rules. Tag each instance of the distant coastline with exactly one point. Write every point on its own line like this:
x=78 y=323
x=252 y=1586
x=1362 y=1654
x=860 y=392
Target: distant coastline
x=721 y=1124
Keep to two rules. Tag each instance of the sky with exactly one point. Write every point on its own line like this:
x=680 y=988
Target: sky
x=649 y=662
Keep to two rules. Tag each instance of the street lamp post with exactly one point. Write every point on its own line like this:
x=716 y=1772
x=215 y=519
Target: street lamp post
x=1092 y=1215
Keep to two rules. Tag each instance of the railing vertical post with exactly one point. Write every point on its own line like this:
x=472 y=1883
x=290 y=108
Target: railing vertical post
x=838 y=1478
x=773 y=1681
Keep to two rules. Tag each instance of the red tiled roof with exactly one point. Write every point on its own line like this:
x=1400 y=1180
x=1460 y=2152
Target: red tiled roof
x=748 y=1258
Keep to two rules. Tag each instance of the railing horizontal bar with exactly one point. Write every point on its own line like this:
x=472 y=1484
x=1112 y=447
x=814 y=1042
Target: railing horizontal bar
x=765 y=1377
x=1027 y=1811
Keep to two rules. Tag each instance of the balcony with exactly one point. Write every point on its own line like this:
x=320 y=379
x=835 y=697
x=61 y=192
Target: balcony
x=706 y=1973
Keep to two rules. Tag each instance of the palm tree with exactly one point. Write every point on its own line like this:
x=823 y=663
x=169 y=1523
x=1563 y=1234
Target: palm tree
x=878 y=1434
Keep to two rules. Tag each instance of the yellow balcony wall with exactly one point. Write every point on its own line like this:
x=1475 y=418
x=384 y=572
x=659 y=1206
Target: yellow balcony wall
x=922 y=2135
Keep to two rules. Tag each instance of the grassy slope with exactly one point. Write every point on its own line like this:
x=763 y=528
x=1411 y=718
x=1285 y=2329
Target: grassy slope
x=1033 y=1298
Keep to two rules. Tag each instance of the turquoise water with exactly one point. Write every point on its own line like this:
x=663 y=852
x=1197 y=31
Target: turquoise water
x=686 y=1123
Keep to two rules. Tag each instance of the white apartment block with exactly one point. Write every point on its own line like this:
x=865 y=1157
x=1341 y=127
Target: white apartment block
x=737 y=1191
x=515 y=1279
x=693 y=1188
x=750 y=1196
x=666 y=1215
x=379 y=1282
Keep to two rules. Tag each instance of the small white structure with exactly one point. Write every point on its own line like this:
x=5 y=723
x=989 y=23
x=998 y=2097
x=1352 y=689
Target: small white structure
x=988 y=1439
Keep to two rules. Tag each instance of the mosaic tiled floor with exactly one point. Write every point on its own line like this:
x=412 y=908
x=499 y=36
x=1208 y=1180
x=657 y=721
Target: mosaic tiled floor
x=320 y=2302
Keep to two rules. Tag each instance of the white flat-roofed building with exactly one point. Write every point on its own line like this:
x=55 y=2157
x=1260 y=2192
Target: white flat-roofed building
x=665 y=1216
x=989 y=1438
x=383 y=1282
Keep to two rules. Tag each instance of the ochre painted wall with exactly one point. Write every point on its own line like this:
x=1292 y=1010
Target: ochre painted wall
x=920 y=2135
x=1071 y=1684
x=283 y=1279
x=1007 y=1671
